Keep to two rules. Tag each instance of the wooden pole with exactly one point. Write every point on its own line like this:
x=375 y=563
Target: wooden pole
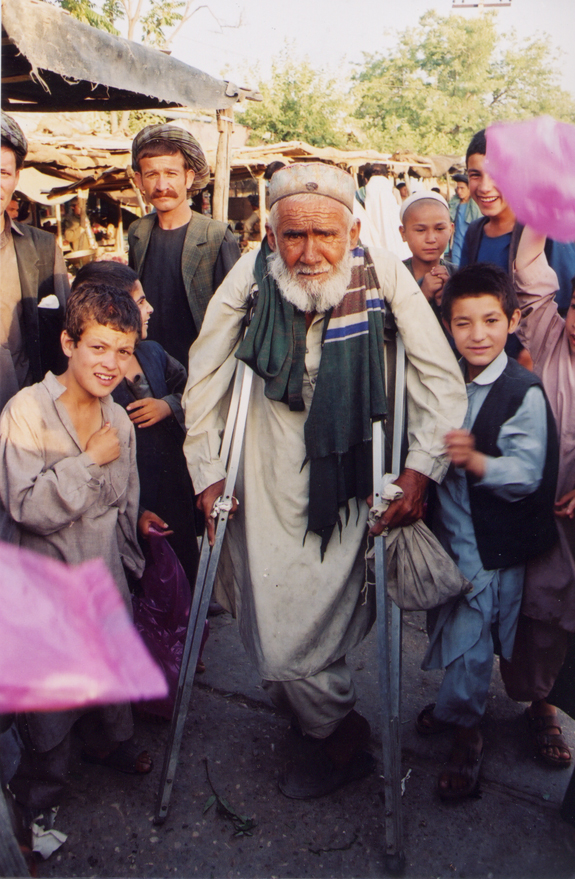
x=59 y=238
x=222 y=174
x=120 y=231
x=84 y=219
x=263 y=210
x=141 y=202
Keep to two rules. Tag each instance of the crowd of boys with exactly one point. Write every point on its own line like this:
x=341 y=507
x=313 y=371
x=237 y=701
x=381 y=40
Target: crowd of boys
x=490 y=443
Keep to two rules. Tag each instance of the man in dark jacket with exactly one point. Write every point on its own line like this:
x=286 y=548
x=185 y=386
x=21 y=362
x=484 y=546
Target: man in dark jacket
x=181 y=257
x=34 y=284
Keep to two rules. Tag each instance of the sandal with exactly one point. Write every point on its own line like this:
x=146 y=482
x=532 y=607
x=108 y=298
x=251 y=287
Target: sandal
x=464 y=763
x=427 y=724
x=125 y=758
x=538 y=724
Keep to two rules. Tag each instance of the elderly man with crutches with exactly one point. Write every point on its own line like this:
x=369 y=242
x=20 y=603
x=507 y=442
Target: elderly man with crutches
x=292 y=566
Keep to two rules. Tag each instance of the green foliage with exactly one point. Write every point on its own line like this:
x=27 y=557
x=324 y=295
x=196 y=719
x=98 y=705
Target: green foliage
x=162 y=14
x=242 y=824
x=448 y=77
x=299 y=103
x=113 y=11
x=85 y=11
x=140 y=118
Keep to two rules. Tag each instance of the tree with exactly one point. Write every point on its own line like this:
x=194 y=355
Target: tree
x=156 y=21
x=85 y=11
x=299 y=103
x=448 y=77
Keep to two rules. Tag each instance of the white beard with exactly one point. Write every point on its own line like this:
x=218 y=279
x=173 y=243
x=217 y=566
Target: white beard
x=312 y=295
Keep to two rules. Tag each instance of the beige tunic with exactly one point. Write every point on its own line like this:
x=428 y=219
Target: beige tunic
x=297 y=614
x=64 y=505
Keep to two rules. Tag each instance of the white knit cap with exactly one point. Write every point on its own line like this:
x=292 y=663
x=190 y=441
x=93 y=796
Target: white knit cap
x=313 y=178
x=417 y=196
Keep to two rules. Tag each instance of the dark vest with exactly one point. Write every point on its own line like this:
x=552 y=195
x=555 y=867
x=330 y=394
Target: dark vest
x=35 y=253
x=509 y=533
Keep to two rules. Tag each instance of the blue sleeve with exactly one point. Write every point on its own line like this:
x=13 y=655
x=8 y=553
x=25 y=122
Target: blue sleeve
x=464 y=258
x=523 y=443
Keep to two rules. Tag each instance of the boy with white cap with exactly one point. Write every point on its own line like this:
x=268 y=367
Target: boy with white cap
x=426 y=228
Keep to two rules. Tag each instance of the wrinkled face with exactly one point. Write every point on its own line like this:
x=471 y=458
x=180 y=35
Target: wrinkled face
x=165 y=181
x=462 y=191
x=480 y=327
x=313 y=239
x=8 y=177
x=146 y=310
x=570 y=324
x=427 y=230
x=483 y=189
x=99 y=361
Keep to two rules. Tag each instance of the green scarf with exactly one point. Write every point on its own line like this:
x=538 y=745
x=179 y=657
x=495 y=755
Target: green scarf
x=350 y=389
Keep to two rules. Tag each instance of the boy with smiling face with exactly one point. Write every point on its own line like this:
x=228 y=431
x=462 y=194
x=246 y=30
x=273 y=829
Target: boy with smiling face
x=494 y=511
x=69 y=486
x=489 y=239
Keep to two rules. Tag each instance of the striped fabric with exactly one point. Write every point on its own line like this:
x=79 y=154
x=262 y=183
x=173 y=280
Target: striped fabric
x=350 y=318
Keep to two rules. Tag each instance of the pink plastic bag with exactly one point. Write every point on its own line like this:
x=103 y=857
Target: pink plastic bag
x=66 y=638
x=533 y=165
x=161 y=615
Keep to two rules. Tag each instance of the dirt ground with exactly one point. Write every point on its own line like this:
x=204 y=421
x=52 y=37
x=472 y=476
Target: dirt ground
x=512 y=830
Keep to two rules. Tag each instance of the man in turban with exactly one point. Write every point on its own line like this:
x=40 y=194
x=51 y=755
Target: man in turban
x=292 y=566
x=181 y=256
x=34 y=284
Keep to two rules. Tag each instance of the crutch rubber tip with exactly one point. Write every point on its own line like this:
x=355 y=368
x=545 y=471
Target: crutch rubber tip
x=395 y=864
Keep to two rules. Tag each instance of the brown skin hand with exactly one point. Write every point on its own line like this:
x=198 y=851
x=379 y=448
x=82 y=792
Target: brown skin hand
x=205 y=503
x=407 y=509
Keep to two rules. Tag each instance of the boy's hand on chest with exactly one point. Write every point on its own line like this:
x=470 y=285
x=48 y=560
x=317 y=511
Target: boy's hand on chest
x=104 y=445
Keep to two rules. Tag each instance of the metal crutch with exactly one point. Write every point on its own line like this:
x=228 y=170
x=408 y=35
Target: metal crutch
x=209 y=557
x=389 y=638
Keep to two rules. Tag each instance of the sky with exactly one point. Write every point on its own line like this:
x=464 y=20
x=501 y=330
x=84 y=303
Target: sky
x=335 y=33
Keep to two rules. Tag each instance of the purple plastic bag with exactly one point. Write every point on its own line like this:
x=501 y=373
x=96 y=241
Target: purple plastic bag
x=66 y=637
x=533 y=165
x=161 y=615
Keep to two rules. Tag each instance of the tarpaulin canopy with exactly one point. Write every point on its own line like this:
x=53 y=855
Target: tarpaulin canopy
x=36 y=186
x=53 y=62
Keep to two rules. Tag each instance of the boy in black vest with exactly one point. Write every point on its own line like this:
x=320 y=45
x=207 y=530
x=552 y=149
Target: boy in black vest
x=494 y=511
